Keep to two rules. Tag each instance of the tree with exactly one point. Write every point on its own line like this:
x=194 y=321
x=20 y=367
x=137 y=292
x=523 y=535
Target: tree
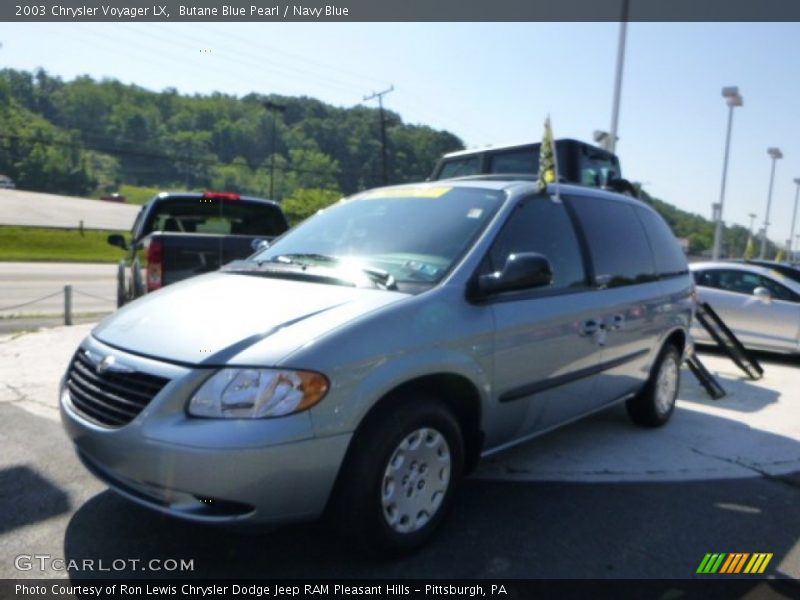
x=305 y=202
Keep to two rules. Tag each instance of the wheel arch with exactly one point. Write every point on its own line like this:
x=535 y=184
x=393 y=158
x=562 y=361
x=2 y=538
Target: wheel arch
x=459 y=394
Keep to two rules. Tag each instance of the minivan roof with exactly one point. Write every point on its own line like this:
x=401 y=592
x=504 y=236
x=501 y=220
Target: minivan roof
x=500 y=147
x=522 y=184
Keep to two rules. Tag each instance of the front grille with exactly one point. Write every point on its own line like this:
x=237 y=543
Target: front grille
x=111 y=398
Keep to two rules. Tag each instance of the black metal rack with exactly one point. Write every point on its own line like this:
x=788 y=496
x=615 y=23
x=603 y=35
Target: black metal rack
x=727 y=341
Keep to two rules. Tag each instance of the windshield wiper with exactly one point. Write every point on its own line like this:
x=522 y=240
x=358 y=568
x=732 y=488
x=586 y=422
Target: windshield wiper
x=298 y=258
x=381 y=278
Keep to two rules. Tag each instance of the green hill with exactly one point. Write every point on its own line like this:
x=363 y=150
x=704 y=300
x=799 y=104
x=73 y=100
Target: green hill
x=87 y=137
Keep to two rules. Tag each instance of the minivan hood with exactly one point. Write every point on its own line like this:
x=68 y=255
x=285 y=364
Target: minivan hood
x=212 y=318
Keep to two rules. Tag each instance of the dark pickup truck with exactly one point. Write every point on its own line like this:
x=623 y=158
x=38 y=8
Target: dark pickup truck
x=578 y=162
x=177 y=235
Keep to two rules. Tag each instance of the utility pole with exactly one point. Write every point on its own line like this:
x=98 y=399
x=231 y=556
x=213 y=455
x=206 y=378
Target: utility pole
x=611 y=141
x=379 y=96
x=274 y=108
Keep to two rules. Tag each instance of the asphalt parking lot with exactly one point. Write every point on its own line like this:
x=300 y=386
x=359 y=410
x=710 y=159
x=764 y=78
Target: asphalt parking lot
x=597 y=499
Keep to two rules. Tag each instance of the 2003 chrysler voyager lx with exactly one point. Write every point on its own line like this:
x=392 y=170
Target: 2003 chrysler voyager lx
x=365 y=361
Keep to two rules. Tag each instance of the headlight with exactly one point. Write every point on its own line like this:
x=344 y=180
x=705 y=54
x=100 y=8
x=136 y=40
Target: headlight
x=255 y=393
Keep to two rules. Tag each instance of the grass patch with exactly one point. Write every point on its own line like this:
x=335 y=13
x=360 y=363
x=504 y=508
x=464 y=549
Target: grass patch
x=138 y=195
x=58 y=245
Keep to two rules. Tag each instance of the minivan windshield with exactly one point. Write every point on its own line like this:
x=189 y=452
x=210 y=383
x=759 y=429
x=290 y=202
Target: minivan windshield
x=413 y=234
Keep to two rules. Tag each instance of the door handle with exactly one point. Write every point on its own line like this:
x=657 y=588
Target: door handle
x=616 y=322
x=591 y=327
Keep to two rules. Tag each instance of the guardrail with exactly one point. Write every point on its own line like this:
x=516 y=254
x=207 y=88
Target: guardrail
x=68 y=292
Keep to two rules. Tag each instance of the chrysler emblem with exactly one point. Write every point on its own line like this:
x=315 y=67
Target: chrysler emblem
x=105 y=364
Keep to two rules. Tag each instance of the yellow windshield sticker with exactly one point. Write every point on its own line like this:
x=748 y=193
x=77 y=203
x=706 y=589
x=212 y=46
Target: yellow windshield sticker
x=418 y=192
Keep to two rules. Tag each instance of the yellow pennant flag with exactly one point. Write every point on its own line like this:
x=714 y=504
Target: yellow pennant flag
x=547 y=159
x=750 y=249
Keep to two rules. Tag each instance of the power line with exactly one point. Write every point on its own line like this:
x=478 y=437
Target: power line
x=379 y=96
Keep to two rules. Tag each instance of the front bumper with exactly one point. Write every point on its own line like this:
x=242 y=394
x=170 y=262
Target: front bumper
x=261 y=471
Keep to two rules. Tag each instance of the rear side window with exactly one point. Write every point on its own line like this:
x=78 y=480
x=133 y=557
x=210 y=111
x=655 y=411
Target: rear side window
x=459 y=167
x=227 y=217
x=667 y=253
x=542 y=226
x=515 y=161
x=620 y=251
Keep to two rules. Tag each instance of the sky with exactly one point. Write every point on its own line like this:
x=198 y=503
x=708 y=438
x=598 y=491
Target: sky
x=494 y=83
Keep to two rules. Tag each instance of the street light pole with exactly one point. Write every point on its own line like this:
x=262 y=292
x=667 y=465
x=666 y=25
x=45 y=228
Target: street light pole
x=623 y=31
x=733 y=99
x=274 y=108
x=775 y=154
x=794 y=217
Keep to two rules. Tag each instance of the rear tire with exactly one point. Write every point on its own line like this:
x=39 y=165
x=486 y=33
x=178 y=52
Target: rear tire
x=399 y=478
x=653 y=406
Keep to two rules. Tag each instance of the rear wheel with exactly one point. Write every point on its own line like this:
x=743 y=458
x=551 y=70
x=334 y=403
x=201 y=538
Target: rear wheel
x=400 y=476
x=653 y=406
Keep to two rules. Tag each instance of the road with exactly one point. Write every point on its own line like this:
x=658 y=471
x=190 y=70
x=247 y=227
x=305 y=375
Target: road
x=94 y=289
x=598 y=499
x=18 y=207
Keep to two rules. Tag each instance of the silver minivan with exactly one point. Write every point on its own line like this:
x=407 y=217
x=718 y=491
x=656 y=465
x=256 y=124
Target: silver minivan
x=362 y=364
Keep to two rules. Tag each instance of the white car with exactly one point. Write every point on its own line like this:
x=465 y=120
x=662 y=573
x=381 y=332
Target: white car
x=760 y=306
x=6 y=183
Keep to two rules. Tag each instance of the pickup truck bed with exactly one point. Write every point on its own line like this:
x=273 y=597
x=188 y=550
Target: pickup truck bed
x=180 y=235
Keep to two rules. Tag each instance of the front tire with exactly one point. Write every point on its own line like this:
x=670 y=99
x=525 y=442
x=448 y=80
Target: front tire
x=654 y=405
x=400 y=476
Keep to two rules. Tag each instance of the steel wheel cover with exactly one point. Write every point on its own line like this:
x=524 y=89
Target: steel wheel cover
x=415 y=480
x=666 y=385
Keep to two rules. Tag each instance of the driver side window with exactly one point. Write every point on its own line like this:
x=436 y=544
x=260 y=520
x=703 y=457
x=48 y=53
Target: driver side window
x=541 y=225
x=777 y=291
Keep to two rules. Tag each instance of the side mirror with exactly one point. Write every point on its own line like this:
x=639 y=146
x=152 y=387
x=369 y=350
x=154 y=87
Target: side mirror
x=522 y=271
x=763 y=295
x=259 y=244
x=116 y=239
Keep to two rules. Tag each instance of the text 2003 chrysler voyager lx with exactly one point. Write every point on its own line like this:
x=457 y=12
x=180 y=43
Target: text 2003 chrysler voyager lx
x=367 y=359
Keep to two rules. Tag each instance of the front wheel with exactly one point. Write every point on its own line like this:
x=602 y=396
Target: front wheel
x=400 y=476
x=653 y=406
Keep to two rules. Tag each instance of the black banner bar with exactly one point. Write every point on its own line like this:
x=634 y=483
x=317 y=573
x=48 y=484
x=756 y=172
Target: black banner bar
x=707 y=588
x=396 y=10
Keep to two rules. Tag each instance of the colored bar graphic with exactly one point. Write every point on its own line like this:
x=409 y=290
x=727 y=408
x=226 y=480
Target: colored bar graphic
x=740 y=563
x=728 y=563
x=711 y=563
x=758 y=563
x=734 y=563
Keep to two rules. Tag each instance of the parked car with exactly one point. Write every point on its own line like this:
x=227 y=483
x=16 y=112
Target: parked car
x=365 y=361
x=759 y=304
x=578 y=162
x=7 y=183
x=790 y=271
x=181 y=234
